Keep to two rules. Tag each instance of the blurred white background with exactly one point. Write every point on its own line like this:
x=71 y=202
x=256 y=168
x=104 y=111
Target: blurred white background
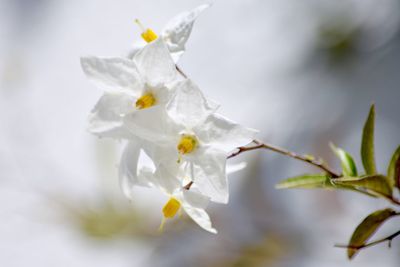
x=302 y=72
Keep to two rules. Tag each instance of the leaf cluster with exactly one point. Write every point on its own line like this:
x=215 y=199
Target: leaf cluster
x=370 y=183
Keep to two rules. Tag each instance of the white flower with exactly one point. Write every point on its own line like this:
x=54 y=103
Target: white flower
x=135 y=170
x=195 y=139
x=132 y=86
x=175 y=34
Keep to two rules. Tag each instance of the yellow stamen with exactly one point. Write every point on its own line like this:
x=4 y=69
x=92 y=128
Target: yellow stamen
x=145 y=101
x=187 y=144
x=171 y=208
x=147 y=34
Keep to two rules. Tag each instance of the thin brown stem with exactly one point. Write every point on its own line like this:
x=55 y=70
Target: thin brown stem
x=382 y=240
x=310 y=160
x=394 y=200
x=187 y=187
x=181 y=72
x=260 y=145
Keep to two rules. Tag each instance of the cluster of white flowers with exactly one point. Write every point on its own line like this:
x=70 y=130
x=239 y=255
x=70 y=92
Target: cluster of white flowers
x=166 y=118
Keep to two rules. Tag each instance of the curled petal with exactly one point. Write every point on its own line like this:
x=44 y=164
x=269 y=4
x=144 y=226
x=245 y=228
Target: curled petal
x=178 y=29
x=128 y=169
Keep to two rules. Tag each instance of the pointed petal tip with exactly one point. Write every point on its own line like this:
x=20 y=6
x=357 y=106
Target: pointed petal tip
x=221 y=200
x=213 y=231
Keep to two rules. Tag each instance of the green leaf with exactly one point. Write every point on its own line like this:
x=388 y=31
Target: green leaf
x=306 y=181
x=312 y=181
x=367 y=143
x=394 y=169
x=373 y=184
x=367 y=228
x=346 y=160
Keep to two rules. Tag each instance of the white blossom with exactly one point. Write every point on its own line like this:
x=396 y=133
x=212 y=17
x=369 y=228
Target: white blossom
x=135 y=170
x=192 y=136
x=168 y=121
x=132 y=86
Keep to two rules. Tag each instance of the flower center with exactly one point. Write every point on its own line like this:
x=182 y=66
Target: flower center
x=145 y=101
x=147 y=34
x=187 y=144
x=171 y=208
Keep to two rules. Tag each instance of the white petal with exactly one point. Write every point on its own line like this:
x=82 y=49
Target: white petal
x=106 y=119
x=145 y=162
x=232 y=168
x=113 y=73
x=189 y=106
x=136 y=47
x=150 y=124
x=166 y=180
x=137 y=169
x=194 y=198
x=157 y=176
x=197 y=212
x=178 y=29
x=155 y=64
x=222 y=133
x=209 y=174
x=165 y=157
